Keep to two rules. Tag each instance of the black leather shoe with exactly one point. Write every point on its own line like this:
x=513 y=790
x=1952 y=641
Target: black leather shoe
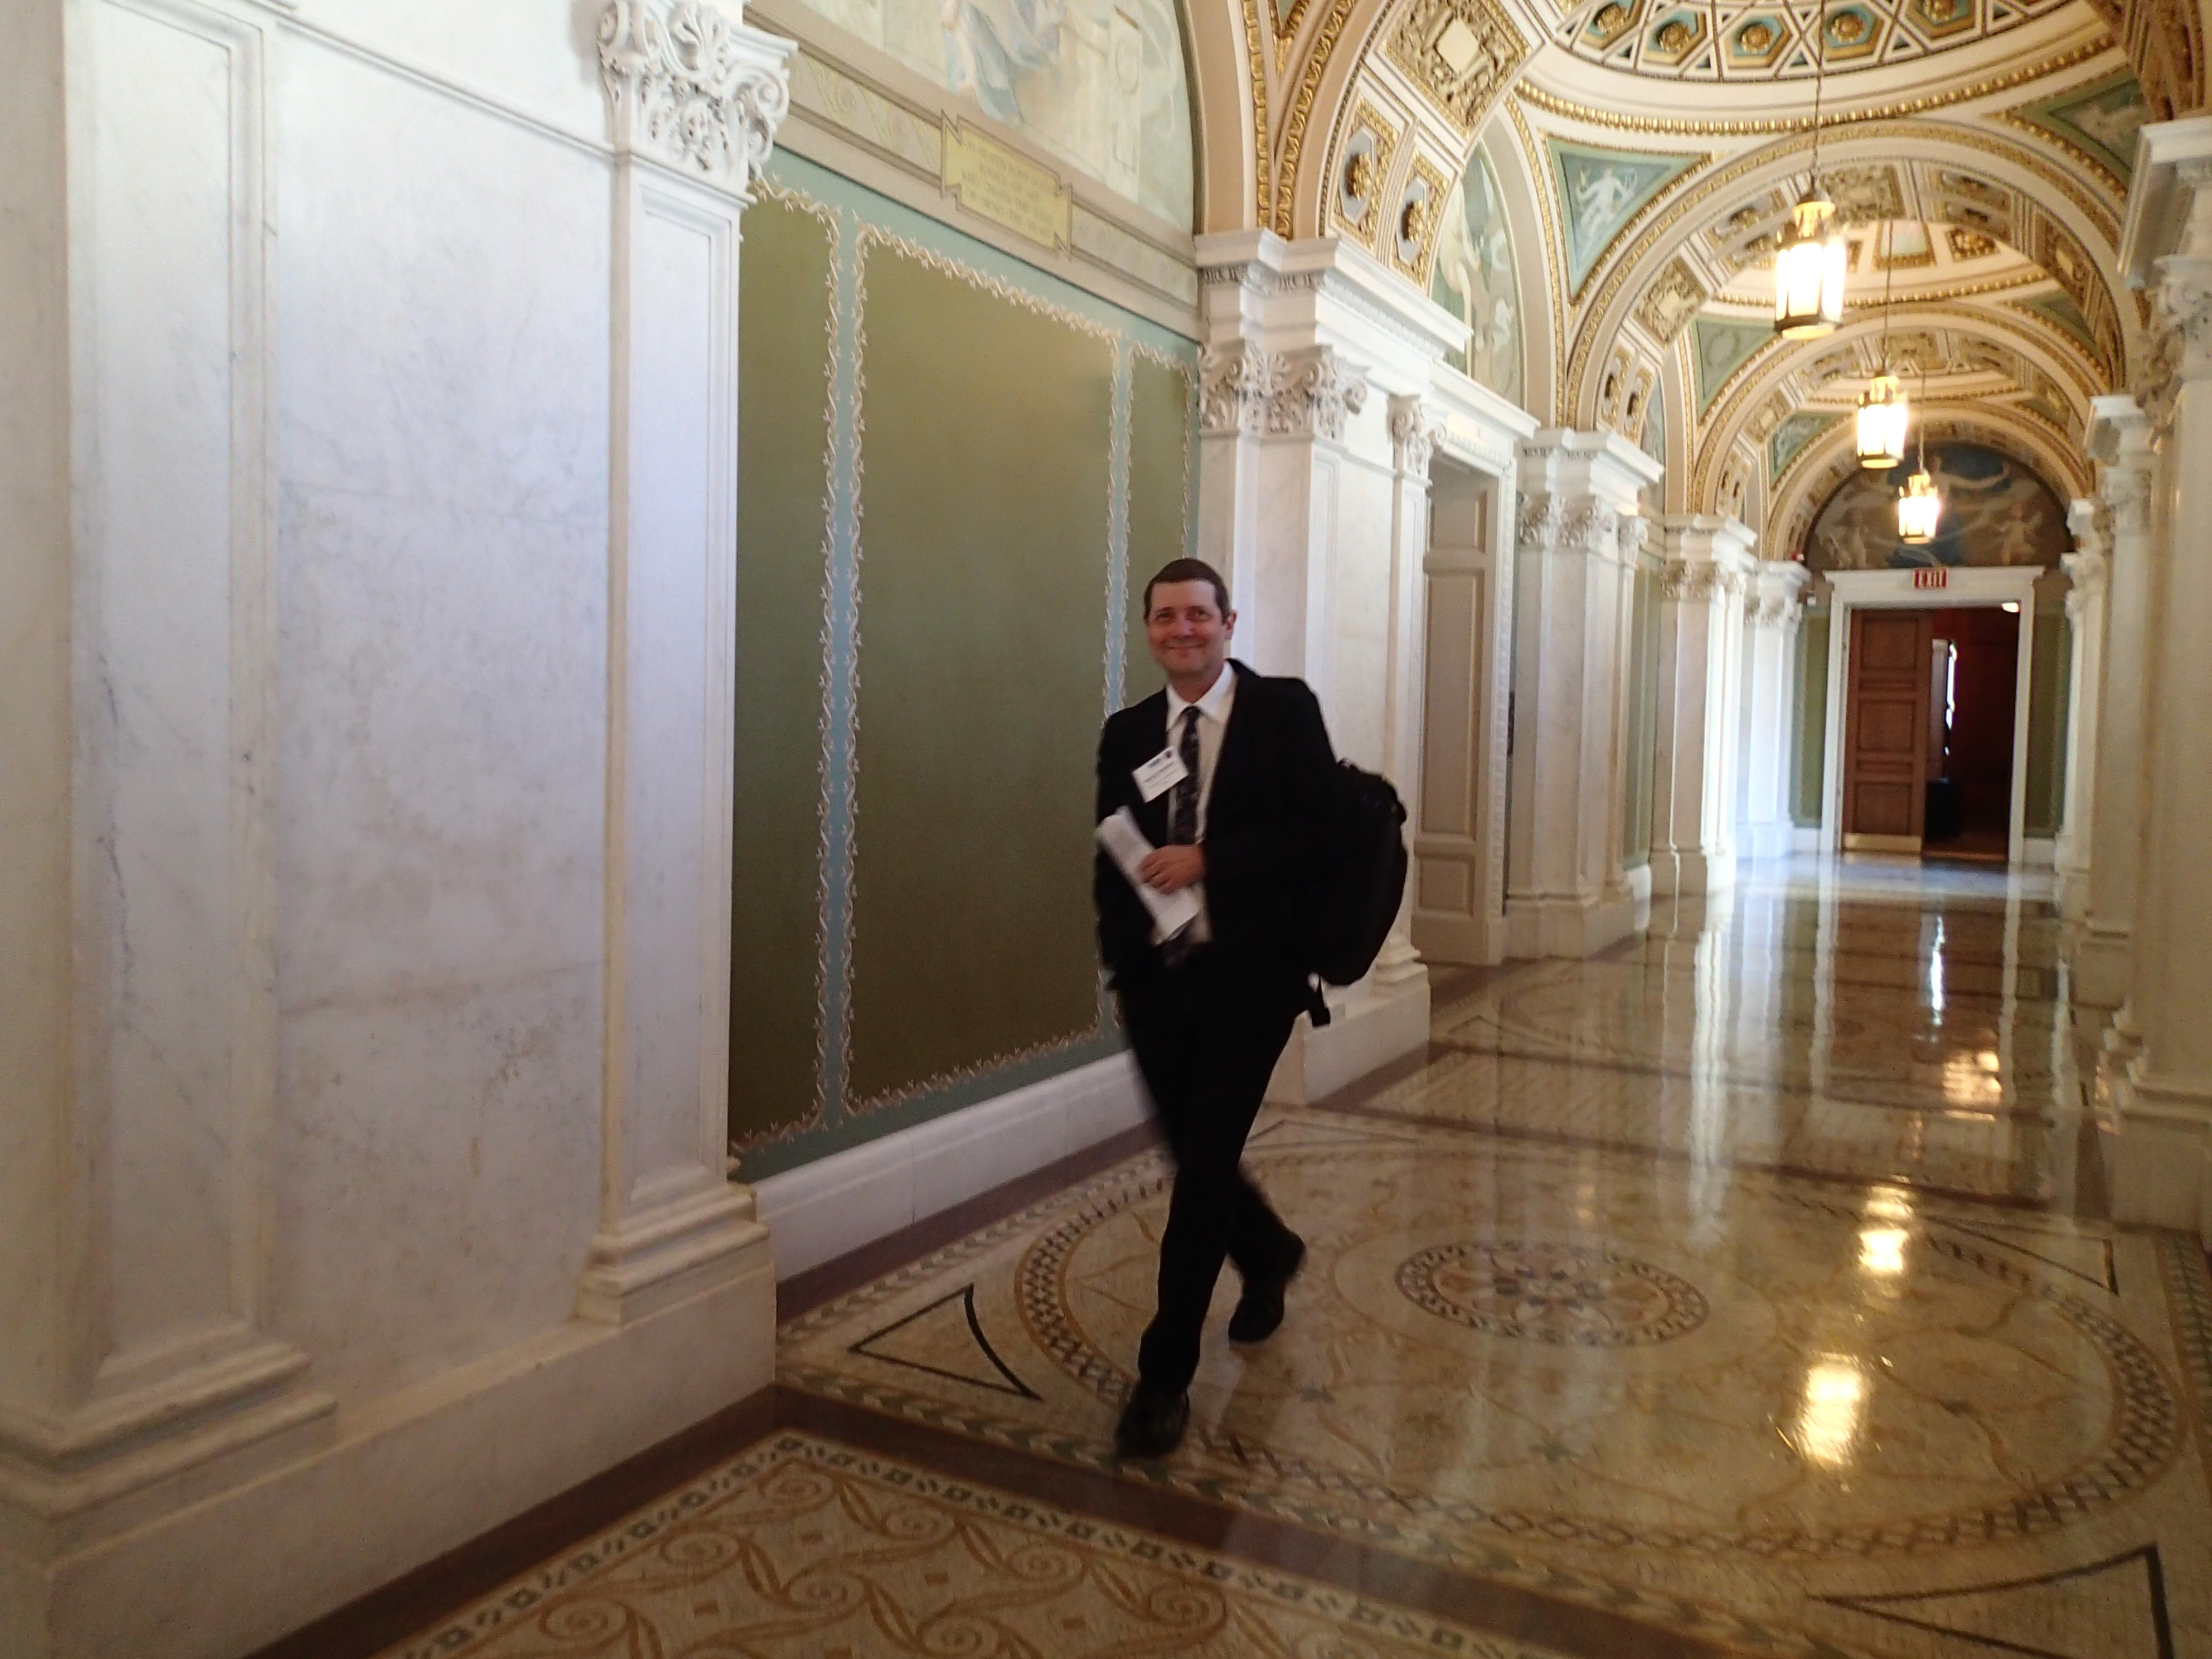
x=1260 y=1309
x=1152 y=1422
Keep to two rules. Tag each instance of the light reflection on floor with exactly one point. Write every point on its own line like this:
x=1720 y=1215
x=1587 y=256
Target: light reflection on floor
x=1746 y=1289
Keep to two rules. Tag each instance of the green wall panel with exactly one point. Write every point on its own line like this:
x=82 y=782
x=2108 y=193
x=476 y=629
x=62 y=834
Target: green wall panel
x=2047 y=689
x=985 y=521
x=784 y=368
x=1160 y=467
x=1811 y=744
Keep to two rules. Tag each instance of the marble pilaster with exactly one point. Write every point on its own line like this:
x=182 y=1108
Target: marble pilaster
x=1707 y=569
x=2086 y=567
x=2120 y=437
x=1774 y=609
x=2162 y=1147
x=1577 y=540
x=693 y=120
x=1313 y=503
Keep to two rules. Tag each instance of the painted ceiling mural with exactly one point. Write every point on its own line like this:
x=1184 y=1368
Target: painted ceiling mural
x=1996 y=512
x=1599 y=191
x=1100 y=83
x=1473 y=277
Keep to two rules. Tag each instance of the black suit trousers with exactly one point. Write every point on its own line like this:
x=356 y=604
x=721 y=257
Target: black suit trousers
x=1207 y=1039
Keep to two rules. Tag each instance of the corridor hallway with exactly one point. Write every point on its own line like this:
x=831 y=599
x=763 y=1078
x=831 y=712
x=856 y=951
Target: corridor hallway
x=1745 y=1289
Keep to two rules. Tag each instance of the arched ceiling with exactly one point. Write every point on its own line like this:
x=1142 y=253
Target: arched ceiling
x=1985 y=143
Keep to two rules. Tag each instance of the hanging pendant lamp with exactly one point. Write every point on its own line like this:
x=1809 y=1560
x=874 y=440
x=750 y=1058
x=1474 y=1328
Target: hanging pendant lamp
x=1883 y=414
x=1808 y=268
x=1919 y=508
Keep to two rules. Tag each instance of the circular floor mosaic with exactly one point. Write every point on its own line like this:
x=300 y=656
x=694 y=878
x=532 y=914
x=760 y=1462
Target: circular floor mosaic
x=1591 y=1301
x=1561 y=1293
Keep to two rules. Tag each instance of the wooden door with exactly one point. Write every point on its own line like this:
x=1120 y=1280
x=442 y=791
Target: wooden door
x=1885 y=732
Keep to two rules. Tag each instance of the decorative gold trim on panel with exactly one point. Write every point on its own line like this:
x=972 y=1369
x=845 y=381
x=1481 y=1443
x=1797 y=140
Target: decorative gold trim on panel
x=1462 y=93
x=1255 y=61
x=1431 y=219
x=1294 y=134
x=1365 y=115
x=1551 y=103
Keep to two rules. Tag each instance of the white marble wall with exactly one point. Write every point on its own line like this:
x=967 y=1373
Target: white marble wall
x=364 y=858
x=1317 y=426
x=1578 y=538
x=1702 y=587
x=2162 y=1153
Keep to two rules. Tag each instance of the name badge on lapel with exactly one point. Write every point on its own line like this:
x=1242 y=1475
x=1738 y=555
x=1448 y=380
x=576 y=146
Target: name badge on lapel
x=1160 y=774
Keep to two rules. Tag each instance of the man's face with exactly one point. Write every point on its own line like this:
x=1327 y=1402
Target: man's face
x=1188 y=632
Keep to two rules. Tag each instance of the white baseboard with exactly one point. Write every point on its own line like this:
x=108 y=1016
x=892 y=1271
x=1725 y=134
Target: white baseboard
x=407 y=1478
x=823 y=1210
x=1805 y=838
x=2040 y=852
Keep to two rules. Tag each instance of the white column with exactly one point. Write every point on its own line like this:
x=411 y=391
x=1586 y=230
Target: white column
x=692 y=122
x=2120 y=437
x=2086 y=566
x=1311 y=421
x=1566 y=893
x=1708 y=565
x=1776 y=610
x=2162 y=1167
x=139 y=1367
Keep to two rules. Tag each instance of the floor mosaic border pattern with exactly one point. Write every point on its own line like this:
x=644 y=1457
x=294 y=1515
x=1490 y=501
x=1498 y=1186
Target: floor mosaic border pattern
x=907 y=1560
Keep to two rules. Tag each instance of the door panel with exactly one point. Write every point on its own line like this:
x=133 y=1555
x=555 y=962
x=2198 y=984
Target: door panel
x=1886 y=727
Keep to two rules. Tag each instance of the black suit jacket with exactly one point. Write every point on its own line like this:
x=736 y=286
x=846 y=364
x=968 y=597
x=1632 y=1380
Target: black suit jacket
x=1266 y=827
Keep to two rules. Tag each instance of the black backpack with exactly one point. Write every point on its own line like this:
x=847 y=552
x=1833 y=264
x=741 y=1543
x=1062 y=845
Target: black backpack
x=1360 y=882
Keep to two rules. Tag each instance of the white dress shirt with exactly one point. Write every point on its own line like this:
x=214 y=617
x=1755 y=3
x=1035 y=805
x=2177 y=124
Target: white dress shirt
x=1214 y=707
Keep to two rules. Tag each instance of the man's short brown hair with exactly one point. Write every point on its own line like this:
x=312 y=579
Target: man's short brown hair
x=1190 y=570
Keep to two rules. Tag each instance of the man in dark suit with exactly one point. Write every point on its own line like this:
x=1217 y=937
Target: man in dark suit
x=1235 y=818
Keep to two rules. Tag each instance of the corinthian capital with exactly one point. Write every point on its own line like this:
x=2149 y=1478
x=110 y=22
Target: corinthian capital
x=1538 y=524
x=1232 y=387
x=690 y=86
x=1414 y=434
x=1310 y=391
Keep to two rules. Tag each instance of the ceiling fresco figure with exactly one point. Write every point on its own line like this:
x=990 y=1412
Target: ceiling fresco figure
x=1996 y=512
x=1474 y=278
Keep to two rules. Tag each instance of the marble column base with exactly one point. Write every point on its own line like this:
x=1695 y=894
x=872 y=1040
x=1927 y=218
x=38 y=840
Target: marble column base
x=2159 y=1158
x=2100 y=968
x=1764 y=841
x=1570 y=926
x=1367 y=1031
x=404 y=1480
x=1691 y=869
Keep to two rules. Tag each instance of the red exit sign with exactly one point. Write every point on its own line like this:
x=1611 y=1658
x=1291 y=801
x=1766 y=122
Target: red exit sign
x=1932 y=577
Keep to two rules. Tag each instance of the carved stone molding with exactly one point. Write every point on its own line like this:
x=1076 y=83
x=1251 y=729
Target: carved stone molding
x=1590 y=527
x=690 y=86
x=1311 y=391
x=1233 y=388
x=1536 y=525
x=2126 y=490
x=1305 y=393
x=2087 y=571
x=1691 y=579
x=1415 y=432
x=1633 y=534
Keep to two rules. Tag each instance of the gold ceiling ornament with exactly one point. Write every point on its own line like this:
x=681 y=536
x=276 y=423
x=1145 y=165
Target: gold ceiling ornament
x=1461 y=52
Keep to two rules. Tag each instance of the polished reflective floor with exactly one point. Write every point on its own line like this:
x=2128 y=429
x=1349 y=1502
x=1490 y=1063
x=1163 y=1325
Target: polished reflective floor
x=1744 y=1289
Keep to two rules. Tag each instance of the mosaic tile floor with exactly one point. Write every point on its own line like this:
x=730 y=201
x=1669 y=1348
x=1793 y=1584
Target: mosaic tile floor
x=1742 y=1291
